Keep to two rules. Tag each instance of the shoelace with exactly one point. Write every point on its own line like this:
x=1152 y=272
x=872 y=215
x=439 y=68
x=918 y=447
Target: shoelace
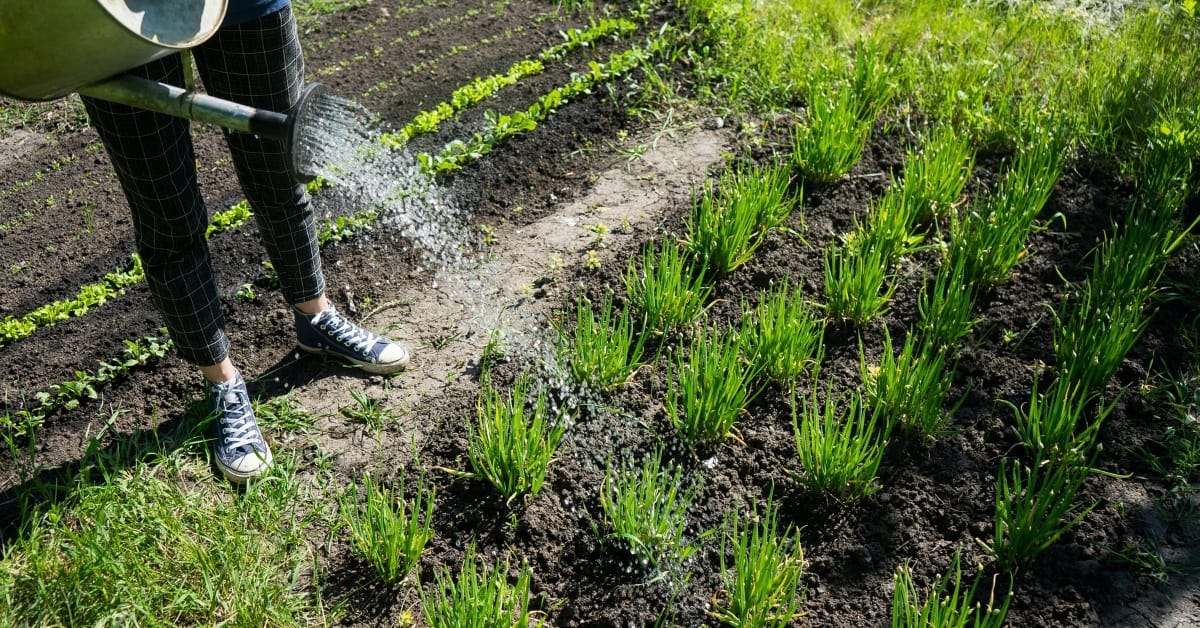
x=346 y=333
x=238 y=429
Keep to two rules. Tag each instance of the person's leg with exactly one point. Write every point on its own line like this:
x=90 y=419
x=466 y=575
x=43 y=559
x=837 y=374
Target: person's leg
x=260 y=64
x=153 y=158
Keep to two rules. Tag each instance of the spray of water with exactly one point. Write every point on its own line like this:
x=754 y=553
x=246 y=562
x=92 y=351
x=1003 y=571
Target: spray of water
x=340 y=141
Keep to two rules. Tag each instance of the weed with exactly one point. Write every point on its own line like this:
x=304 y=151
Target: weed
x=283 y=414
x=368 y=410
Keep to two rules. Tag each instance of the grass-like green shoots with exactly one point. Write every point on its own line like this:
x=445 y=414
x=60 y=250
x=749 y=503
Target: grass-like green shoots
x=480 y=597
x=832 y=141
x=840 y=446
x=667 y=288
x=935 y=173
x=784 y=334
x=513 y=441
x=386 y=530
x=604 y=348
x=947 y=605
x=859 y=280
x=945 y=305
x=991 y=235
x=709 y=388
x=909 y=390
x=762 y=585
x=646 y=508
x=728 y=222
x=1054 y=427
x=1033 y=509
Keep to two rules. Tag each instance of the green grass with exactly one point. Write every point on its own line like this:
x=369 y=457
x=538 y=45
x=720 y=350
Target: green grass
x=161 y=542
x=1056 y=424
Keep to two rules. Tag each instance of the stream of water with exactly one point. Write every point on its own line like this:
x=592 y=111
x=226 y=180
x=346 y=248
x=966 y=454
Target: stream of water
x=341 y=142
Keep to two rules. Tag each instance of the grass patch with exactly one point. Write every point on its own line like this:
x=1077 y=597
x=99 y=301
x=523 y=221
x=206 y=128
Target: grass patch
x=762 y=583
x=709 y=388
x=645 y=507
x=666 y=287
x=840 y=445
x=149 y=545
x=386 y=530
x=480 y=596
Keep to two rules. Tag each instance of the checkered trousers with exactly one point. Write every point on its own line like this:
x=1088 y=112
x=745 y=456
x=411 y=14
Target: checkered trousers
x=256 y=63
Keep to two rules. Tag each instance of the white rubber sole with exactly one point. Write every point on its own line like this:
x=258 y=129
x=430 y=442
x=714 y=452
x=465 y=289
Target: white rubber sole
x=374 y=368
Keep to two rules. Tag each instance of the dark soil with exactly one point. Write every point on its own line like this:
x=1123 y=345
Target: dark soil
x=935 y=499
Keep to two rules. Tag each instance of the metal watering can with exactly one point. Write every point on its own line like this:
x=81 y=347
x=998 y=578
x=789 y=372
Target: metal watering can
x=51 y=48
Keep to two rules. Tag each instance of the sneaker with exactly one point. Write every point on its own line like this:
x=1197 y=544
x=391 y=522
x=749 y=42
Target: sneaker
x=330 y=333
x=242 y=453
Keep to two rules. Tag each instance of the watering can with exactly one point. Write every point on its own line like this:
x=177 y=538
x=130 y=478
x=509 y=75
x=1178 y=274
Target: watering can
x=51 y=48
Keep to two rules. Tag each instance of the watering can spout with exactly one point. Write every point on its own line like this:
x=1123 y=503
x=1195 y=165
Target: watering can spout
x=168 y=99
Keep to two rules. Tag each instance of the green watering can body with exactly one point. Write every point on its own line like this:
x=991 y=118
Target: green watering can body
x=50 y=48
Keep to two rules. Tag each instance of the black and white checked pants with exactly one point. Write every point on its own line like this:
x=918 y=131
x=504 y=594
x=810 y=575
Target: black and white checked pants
x=259 y=64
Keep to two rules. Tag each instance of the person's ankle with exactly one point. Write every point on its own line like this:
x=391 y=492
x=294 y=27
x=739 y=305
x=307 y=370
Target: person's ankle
x=222 y=372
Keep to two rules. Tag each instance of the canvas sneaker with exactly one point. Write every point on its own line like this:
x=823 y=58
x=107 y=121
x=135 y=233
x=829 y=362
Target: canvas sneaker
x=242 y=453
x=330 y=333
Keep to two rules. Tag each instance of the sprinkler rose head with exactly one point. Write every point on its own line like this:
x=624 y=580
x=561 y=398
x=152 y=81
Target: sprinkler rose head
x=298 y=123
